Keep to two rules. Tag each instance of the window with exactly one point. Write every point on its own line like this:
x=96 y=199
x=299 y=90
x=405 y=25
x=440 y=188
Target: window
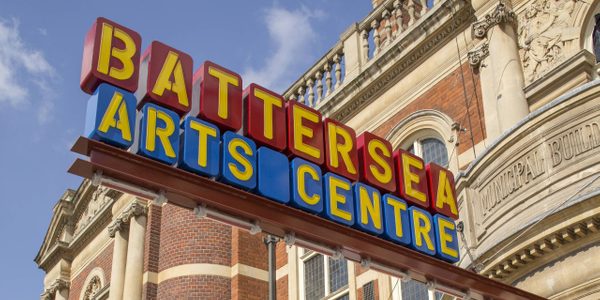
x=323 y=276
x=431 y=150
x=414 y=290
x=368 y=291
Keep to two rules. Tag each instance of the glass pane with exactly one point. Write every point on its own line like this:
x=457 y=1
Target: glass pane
x=435 y=151
x=343 y=297
x=438 y=295
x=411 y=149
x=338 y=274
x=368 y=291
x=314 y=277
x=414 y=290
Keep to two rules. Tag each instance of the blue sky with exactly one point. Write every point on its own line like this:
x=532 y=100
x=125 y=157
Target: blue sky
x=42 y=109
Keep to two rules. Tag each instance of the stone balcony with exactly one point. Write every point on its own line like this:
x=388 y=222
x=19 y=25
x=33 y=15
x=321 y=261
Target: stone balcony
x=374 y=54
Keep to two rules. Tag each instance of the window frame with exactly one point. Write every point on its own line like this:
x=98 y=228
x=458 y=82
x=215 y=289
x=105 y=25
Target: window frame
x=304 y=256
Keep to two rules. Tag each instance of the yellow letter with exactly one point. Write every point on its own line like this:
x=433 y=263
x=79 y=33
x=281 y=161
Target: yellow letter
x=163 y=133
x=444 y=193
x=336 y=148
x=203 y=133
x=335 y=197
x=398 y=207
x=446 y=238
x=173 y=66
x=422 y=229
x=386 y=176
x=301 y=131
x=108 y=120
x=409 y=177
x=268 y=102
x=247 y=170
x=224 y=80
x=302 y=170
x=123 y=55
x=369 y=208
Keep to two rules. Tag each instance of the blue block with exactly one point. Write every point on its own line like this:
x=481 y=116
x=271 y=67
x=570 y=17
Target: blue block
x=446 y=239
x=200 y=148
x=368 y=208
x=273 y=175
x=307 y=187
x=339 y=201
x=397 y=222
x=239 y=161
x=422 y=230
x=110 y=116
x=159 y=134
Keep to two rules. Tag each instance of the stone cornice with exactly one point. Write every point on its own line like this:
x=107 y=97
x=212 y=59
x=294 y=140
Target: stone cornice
x=502 y=14
x=136 y=208
x=405 y=52
x=54 y=250
x=518 y=258
x=56 y=286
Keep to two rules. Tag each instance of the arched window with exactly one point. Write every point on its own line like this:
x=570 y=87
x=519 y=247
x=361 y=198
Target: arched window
x=431 y=150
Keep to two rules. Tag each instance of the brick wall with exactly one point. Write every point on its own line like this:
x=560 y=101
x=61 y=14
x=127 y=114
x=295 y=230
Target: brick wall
x=244 y=287
x=447 y=96
x=103 y=261
x=184 y=239
x=195 y=287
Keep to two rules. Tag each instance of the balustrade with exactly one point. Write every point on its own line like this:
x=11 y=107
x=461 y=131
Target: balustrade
x=378 y=31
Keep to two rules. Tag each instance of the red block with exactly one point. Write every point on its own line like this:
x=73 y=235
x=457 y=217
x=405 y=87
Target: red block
x=305 y=132
x=442 y=190
x=265 y=117
x=376 y=162
x=340 y=154
x=169 y=80
x=220 y=95
x=111 y=54
x=411 y=178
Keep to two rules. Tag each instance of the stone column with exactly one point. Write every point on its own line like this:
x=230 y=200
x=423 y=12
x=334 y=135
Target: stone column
x=134 y=269
x=118 y=230
x=502 y=81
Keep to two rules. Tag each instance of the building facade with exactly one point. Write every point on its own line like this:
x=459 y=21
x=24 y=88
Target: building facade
x=504 y=94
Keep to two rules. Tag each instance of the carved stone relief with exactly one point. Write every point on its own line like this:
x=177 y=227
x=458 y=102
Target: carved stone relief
x=547 y=35
x=101 y=197
x=92 y=288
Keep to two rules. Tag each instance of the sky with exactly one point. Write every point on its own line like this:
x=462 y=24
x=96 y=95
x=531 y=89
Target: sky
x=42 y=109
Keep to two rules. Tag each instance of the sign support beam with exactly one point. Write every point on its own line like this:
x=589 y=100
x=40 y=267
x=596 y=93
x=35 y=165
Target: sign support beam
x=189 y=190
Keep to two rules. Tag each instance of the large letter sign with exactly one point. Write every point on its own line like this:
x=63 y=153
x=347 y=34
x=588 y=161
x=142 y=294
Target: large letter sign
x=111 y=54
x=259 y=142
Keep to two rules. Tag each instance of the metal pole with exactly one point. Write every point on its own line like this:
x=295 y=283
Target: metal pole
x=271 y=242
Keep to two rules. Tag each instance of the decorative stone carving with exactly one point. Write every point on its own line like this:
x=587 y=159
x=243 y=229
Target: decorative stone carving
x=136 y=208
x=55 y=287
x=101 y=197
x=477 y=55
x=544 y=28
x=93 y=287
x=502 y=14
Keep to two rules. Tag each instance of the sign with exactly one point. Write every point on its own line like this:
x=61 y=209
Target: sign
x=254 y=140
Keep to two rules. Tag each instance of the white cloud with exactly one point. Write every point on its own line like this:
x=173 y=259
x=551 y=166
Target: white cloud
x=22 y=71
x=293 y=36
